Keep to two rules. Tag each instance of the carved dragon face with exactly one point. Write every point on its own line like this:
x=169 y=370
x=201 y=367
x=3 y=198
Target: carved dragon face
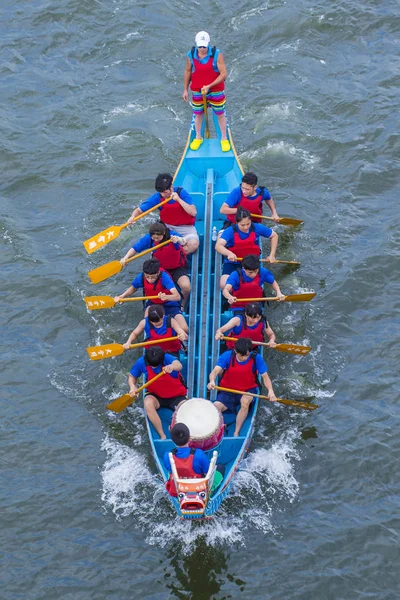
x=193 y=497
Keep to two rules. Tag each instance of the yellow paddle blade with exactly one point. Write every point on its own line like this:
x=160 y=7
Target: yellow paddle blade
x=103 y=238
x=121 y=403
x=282 y=220
x=105 y=271
x=300 y=297
x=99 y=302
x=304 y=405
x=106 y=351
x=292 y=349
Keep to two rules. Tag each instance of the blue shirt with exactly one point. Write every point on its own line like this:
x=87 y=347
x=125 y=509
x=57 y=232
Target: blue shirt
x=139 y=368
x=234 y=279
x=236 y=195
x=146 y=242
x=224 y=362
x=166 y=281
x=260 y=230
x=156 y=199
x=158 y=330
x=200 y=461
x=238 y=328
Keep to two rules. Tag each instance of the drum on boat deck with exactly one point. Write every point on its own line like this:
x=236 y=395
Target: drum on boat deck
x=204 y=420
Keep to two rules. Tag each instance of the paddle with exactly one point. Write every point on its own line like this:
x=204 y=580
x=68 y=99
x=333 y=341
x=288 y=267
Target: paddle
x=283 y=262
x=207 y=132
x=111 y=233
x=126 y=400
x=109 y=350
x=280 y=400
x=281 y=221
x=290 y=298
x=99 y=302
x=112 y=268
x=289 y=348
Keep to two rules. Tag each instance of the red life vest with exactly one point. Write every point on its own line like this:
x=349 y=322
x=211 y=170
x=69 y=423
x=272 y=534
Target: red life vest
x=152 y=289
x=172 y=213
x=241 y=376
x=184 y=467
x=173 y=346
x=170 y=257
x=254 y=206
x=167 y=386
x=247 y=289
x=256 y=334
x=247 y=246
x=204 y=74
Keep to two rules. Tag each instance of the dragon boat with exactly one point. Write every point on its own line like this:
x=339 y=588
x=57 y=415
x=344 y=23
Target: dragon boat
x=209 y=175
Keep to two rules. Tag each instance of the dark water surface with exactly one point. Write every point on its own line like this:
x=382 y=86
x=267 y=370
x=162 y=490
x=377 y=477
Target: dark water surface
x=90 y=111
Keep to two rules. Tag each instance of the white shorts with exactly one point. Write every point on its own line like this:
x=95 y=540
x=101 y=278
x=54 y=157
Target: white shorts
x=186 y=231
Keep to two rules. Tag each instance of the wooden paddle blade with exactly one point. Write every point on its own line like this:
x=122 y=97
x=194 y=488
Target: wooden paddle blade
x=304 y=405
x=292 y=348
x=121 y=403
x=288 y=221
x=103 y=238
x=300 y=297
x=106 y=351
x=105 y=271
x=99 y=302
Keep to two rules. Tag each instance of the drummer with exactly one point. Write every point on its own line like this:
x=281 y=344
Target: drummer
x=248 y=282
x=171 y=256
x=157 y=326
x=250 y=196
x=239 y=369
x=190 y=463
x=156 y=282
x=250 y=324
x=179 y=214
x=167 y=392
x=240 y=239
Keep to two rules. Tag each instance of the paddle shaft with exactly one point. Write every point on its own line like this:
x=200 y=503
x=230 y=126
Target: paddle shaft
x=148 y=250
x=284 y=262
x=289 y=348
x=305 y=405
x=123 y=402
x=147 y=212
x=207 y=131
x=281 y=221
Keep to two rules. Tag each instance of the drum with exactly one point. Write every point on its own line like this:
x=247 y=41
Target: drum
x=204 y=421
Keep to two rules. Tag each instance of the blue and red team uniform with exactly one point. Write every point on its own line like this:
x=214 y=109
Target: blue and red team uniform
x=254 y=332
x=172 y=212
x=241 y=376
x=190 y=464
x=170 y=389
x=251 y=203
x=242 y=244
x=245 y=287
x=163 y=284
x=165 y=331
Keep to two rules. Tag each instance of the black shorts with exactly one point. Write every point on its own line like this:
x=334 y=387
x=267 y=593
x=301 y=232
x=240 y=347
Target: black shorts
x=170 y=403
x=177 y=273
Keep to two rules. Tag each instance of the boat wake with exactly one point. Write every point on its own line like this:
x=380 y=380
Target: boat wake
x=266 y=478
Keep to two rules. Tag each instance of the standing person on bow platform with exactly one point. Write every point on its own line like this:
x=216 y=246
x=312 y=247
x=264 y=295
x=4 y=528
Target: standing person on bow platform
x=247 y=281
x=156 y=282
x=239 y=369
x=205 y=71
x=250 y=324
x=168 y=391
x=179 y=214
x=249 y=196
x=240 y=239
x=157 y=326
x=171 y=256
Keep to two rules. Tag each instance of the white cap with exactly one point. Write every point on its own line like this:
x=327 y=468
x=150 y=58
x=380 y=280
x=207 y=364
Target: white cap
x=202 y=39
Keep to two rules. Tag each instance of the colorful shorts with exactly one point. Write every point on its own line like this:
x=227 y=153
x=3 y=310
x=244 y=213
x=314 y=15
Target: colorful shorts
x=214 y=99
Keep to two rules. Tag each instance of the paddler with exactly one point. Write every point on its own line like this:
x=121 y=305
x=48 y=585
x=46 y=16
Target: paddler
x=242 y=238
x=205 y=71
x=247 y=281
x=179 y=214
x=171 y=256
x=190 y=463
x=249 y=196
x=239 y=369
x=168 y=391
x=250 y=324
x=157 y=326
x=156 y=282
